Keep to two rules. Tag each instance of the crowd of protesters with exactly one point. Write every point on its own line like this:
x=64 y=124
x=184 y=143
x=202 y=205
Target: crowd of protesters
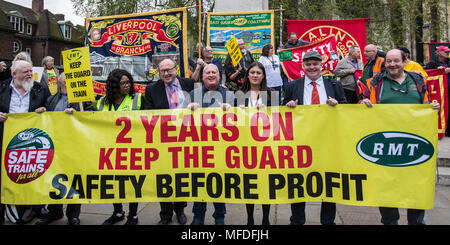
x=390 y=78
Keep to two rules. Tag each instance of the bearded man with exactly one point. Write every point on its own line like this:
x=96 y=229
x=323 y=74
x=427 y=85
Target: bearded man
x=20 y=94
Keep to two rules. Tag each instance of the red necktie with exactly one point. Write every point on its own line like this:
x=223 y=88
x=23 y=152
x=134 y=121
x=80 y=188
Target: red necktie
x=315 y=99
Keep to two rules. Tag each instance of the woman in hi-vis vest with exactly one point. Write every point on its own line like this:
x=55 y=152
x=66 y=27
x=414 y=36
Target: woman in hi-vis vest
x=120 y=96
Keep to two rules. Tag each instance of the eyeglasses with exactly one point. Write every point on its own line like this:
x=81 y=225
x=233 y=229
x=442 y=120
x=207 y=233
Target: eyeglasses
x=403 y=91
x=123 y=83
x=208 y=50
x=167 y=70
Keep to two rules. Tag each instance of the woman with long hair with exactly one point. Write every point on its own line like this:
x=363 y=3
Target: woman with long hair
x=258 y=95
x=121 y=96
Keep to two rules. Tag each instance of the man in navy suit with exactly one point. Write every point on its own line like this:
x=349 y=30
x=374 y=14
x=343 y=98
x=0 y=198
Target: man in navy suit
x=169 y=92
x=309 y=90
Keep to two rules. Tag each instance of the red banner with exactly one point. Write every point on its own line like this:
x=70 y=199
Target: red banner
x=347 y=32
x=437 y=83
x=100 y=88
x=291 y=59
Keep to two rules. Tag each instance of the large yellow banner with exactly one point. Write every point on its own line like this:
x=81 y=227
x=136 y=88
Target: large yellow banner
x=348 y=154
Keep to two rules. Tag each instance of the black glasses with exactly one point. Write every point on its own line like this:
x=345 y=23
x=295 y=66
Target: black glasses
x=166 y=71
x=403 y=91
x=123 y=83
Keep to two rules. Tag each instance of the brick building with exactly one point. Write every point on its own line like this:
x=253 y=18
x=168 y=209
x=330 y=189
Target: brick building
x=36 y=31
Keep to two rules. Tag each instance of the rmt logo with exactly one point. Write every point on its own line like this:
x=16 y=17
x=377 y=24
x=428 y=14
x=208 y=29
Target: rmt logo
x=395 y=149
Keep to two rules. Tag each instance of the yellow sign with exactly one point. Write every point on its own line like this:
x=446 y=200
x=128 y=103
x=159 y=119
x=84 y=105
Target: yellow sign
x=234 y=51
x=347 y=154
x=77 y=70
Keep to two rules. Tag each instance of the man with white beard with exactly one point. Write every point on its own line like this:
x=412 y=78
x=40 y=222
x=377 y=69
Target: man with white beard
x=17 y=95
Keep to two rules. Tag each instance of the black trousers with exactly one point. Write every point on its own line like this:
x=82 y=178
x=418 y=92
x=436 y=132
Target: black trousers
x=390 y=216
x=167 y=209
x=118 y=208
x=327 y=213
x=72 y=210
x=351 y=96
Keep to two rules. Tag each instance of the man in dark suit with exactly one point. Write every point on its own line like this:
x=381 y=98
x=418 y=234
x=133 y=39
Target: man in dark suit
x=167 y=93
x=309 y=90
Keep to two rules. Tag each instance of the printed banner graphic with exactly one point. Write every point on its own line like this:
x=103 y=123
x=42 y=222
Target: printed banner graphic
x=274 y=155
x=77 y=71
x=137 y=43
x=438 y=92
x=291 y=59
x=255 y=28
x=347 y=32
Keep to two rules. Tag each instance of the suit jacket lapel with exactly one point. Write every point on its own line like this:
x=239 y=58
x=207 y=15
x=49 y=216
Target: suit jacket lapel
x=329 y=88
x=162 y=92
x=182 y=83
x=301 y=90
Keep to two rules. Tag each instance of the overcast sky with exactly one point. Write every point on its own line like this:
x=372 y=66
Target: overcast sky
x=56 y=7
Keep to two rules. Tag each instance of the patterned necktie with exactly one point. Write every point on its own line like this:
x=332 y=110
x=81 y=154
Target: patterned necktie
x=173 y=95
x=315 y=99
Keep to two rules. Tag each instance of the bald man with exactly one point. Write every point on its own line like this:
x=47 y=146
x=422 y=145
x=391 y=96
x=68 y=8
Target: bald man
x=210 y=95
x=397 y=86
x=373 y=67
x=169 y=93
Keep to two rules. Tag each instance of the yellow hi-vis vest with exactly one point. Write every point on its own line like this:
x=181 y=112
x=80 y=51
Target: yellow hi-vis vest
x=128 y=104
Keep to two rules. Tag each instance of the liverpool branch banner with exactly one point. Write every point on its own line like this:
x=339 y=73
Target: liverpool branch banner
x=267 y=156
x=137 y=43
x=347 y=32
x=254 y=28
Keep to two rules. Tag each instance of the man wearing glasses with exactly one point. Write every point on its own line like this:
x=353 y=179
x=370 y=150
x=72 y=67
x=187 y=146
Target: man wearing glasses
x=208 y=58
x=396 y=86
x=167 y=93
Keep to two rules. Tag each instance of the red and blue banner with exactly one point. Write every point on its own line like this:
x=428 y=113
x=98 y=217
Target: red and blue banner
x=137 y=43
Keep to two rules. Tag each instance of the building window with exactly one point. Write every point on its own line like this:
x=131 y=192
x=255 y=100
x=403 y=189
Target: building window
x=17 y=23
x=66 y=29
x=17 y=46
x=29 y=29
x=67 y=32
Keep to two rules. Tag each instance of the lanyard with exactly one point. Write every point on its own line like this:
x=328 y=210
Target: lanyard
x=174 y=99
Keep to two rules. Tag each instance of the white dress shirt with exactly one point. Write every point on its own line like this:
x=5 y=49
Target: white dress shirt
x=307 y=93
x=19 y=103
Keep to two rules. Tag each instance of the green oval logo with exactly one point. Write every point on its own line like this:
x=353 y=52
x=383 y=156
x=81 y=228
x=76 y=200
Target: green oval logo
x=74 y=55
x=172 y=30
x=395 y=149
